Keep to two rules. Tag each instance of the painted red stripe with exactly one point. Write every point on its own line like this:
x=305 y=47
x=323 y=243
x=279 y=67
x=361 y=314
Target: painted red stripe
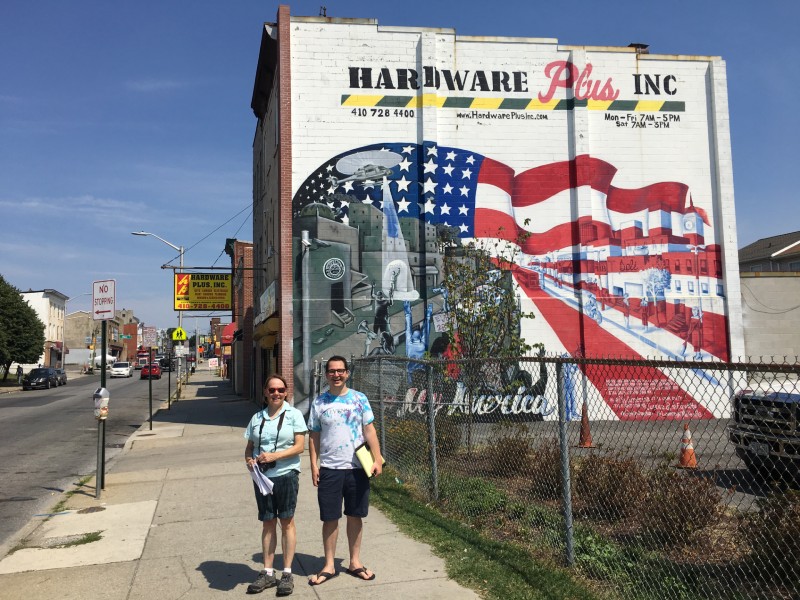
x=633 y=393
x=497 y=174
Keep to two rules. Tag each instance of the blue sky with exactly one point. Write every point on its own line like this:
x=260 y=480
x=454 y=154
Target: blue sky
x=126 y=116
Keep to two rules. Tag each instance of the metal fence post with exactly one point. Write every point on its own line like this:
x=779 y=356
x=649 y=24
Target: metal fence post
x=432 y=432
x=382 y=407
x=565 y=475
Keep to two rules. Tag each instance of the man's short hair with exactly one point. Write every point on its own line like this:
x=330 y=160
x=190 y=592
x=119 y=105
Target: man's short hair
x=336 y=358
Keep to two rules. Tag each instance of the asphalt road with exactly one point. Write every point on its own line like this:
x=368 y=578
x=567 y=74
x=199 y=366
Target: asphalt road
x=49 y=440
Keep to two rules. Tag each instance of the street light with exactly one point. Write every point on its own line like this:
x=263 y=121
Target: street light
x=180 y=254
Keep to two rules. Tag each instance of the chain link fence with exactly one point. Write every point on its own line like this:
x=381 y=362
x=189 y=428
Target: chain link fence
x=651 y=479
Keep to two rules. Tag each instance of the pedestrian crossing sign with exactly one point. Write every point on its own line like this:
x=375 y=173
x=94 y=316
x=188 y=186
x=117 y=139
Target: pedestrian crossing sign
x=179 y=335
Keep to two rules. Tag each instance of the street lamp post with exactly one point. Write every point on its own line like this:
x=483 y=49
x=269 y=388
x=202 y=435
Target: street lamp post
x=180 y=270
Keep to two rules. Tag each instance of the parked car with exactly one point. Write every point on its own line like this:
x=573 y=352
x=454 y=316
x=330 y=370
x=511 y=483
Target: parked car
x=40 y=377
x=766 y=433
x=62 y=376
x=122 y=369
x=167 y=364
x=151 y=371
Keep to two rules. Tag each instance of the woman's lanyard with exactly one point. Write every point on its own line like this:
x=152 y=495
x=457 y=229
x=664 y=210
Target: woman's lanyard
x=277 y=433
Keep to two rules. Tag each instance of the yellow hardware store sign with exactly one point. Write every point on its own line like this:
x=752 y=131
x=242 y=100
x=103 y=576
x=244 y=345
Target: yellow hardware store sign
x=203 y=291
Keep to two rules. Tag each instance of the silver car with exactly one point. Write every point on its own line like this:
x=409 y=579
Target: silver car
x=121 y=369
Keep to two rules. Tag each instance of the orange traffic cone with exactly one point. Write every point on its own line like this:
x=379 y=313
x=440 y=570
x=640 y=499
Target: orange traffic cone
x=585 y=440
x=688 y=457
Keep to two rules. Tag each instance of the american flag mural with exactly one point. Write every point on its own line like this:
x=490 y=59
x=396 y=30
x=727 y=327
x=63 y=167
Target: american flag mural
x=610 y=270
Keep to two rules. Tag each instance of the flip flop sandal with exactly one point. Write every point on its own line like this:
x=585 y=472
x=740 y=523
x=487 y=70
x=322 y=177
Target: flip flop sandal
x=325 y=577
x=358 y=572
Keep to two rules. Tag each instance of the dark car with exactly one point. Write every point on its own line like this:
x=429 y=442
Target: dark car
x=167 y=364
x=151 y=371
x=62 y=376
x=41 y=377
x=766 y=433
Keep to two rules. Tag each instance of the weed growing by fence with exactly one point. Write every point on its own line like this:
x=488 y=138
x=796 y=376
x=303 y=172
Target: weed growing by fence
x=677 y=505
x=609 y=487
x=774 y=536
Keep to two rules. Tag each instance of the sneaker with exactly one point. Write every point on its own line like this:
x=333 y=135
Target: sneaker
x=286 y=584
x=262 y=582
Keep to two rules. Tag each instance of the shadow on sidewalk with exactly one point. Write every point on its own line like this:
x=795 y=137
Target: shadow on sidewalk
x=214 y=403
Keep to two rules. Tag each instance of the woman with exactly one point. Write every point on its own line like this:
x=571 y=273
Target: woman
x=275 y=439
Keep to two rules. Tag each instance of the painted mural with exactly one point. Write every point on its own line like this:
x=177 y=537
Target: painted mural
x=613 y=270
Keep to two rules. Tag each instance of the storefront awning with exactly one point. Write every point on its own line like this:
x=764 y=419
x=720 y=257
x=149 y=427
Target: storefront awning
x=227 y=333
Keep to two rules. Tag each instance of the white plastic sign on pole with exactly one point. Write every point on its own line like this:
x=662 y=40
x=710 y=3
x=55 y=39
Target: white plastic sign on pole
x=149 y=337
x=104 y=299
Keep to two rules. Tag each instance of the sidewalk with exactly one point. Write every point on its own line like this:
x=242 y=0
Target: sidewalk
x=177 y=519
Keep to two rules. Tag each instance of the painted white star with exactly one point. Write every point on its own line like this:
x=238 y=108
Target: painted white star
x=332 y=189
x=448 y=189
x=433 y=151
x=463 y=210
x=430 y=166
x=448 y=169
x=471 y=160
x=404 y=164
x=446 y=224
x=402 y=184
x=402 y=205
x=348 y=186
x=466 y=174
x=329 y=168
x=367 y=200
x=463 y=228
x=451 y=155
x=345 y=203
x=445 y=210
x=330 y=205
x=464 y=190
x=408 y=149
x=430 y=186
x=429 y=206
x=368 y=183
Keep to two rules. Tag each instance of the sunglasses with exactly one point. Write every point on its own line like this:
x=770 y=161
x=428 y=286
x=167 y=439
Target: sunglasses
x=337 y=371
x=273 y=390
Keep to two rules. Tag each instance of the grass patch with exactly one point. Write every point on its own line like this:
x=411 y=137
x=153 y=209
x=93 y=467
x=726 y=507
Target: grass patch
x=62 y=504
x=496 y=570
x=86 y=538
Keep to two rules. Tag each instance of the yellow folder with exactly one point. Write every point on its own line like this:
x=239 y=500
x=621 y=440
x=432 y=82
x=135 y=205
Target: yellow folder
x=364 y=456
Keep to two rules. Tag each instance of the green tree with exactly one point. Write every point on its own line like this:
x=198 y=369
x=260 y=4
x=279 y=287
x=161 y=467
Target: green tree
x=21 y=330
x=485 y=314
x=484 y=319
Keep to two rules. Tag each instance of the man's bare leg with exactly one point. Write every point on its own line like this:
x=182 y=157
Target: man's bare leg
x=330 y=533
x=355 y=529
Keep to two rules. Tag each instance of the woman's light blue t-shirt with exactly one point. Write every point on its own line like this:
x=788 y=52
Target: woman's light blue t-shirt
x=293 y=423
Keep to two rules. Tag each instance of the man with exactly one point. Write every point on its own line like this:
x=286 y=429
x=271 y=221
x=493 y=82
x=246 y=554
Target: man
x=416 y=340
x=339 y=421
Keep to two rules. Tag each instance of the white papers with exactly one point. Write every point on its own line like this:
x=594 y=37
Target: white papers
x=262 y=481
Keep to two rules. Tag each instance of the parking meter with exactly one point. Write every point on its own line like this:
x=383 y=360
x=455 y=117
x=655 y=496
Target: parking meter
x=101 y=398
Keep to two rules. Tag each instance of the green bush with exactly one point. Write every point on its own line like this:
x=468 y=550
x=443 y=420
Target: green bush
x=544 y=469
x=609 y=487
x=472 y=498
x=679 y=504
x=773 y=534
x=509 y=452
x=408 y=445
